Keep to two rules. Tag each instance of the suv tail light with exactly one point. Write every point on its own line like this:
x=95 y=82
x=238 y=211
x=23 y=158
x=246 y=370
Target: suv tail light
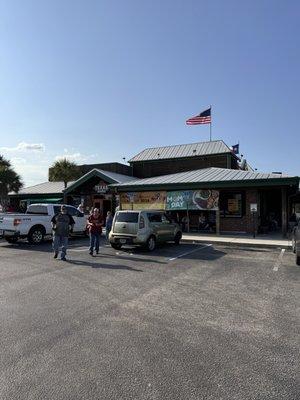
x=142 y=222
x=17 y=221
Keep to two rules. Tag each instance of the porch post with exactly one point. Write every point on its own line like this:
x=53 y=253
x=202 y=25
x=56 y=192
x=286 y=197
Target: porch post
x=218 y=222
x=284 y=211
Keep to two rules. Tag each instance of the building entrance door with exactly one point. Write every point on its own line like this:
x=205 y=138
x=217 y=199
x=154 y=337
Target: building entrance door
x=270 y=210
x=104 y=205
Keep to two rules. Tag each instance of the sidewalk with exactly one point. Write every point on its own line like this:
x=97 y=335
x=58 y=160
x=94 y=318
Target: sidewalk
x=268 y=241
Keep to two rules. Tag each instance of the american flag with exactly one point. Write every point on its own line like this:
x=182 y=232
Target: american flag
x=202 y=118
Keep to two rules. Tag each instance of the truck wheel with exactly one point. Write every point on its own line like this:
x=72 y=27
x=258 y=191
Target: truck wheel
x=116 y=246
x=11 y=239
x=151 y=243
x=177 y=238
x=298 y=260
x=36 y=235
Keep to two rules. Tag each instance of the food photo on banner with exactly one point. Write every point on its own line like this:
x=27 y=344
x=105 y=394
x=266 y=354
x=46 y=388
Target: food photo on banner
x=143 y=200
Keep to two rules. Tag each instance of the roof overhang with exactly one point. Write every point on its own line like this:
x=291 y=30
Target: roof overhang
x=33 y=195
x=91 y=174
x=289 y=181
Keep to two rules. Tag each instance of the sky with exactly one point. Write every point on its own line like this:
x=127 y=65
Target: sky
x=98 y=80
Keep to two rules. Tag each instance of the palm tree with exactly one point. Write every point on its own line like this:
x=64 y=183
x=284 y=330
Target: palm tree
x=64 y=170
x=10 y=181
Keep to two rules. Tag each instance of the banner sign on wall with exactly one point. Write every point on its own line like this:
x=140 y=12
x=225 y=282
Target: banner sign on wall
x=203 y=199
x=143 y=200
x=178 y=200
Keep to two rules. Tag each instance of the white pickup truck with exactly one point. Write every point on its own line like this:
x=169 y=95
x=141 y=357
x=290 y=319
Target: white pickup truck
x=35 y=224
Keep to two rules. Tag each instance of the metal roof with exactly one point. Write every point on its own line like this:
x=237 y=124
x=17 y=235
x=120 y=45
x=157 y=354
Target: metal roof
x=223 y=176
x=182 y=150
x=43 y=188
x=46 y=188
x=120 y=178
x=109 y=177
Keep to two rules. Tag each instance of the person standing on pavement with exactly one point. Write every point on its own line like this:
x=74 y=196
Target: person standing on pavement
x=108 y=224
x=94 y=226
x=62 y=225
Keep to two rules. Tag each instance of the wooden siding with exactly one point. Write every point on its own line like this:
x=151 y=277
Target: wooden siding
x=148 y=169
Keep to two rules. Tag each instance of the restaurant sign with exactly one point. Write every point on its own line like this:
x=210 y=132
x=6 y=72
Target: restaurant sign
x=203 y=199
x=101 y=187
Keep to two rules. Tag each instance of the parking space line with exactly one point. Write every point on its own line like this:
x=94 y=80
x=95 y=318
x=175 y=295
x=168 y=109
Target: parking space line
x=279 y=260
x=189 y=252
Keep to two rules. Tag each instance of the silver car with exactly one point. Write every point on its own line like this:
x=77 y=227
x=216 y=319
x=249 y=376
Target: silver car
x=143 y=228
x=296 y=242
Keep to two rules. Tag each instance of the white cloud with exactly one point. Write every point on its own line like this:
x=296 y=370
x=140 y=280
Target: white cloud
x=32 y=170
x=31 y=161
x=25 y=147
x=75 y=157
x=18 y=161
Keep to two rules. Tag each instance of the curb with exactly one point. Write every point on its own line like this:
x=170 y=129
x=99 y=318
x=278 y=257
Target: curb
x=239 y=244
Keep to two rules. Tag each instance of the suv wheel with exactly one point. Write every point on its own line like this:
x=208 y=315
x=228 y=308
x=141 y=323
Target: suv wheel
x=177 y=238
x=151 y=243
x=298 y=260
x=116 y=246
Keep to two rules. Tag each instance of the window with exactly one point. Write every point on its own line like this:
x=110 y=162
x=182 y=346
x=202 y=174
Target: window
x=166 y=219
x=56 y=209
x=72 y=211
x=132 y=217
x=154 y=217
x=36 y=209
x=232 y=204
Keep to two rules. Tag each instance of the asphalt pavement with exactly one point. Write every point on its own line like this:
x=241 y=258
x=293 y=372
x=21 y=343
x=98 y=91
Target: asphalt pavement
x=194 y=321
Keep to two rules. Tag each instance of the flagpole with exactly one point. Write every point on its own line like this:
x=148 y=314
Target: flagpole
x=210 y=125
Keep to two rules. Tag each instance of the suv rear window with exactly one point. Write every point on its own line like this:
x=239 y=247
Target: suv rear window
x=127 y=217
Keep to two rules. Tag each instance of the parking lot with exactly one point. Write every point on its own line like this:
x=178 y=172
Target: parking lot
x=183 y=322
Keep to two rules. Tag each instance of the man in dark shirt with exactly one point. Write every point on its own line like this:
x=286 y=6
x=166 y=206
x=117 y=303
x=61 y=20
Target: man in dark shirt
x=62 y=225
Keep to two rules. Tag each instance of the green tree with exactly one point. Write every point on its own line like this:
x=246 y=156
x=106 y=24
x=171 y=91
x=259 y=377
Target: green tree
x=10 y=181
x=65 y=171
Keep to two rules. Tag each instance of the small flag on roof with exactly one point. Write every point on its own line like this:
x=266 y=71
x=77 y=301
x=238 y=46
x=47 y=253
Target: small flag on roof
x=202 y=118
x=235 y=149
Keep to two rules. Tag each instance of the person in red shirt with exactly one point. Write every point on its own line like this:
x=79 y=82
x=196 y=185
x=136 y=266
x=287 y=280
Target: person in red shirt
x=94 y=226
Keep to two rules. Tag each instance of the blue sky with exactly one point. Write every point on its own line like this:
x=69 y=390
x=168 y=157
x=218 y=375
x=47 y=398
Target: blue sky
x=100 y=80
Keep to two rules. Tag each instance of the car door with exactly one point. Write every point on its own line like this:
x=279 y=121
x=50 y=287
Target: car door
x=168 y=228
x=156 y=225
x=79 y=219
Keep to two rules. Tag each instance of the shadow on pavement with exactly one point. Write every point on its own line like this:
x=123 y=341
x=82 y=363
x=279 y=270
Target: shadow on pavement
x=43 y=248
x=99 y=266
x=131 y=258
x=204 y=254
x=170 y=251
